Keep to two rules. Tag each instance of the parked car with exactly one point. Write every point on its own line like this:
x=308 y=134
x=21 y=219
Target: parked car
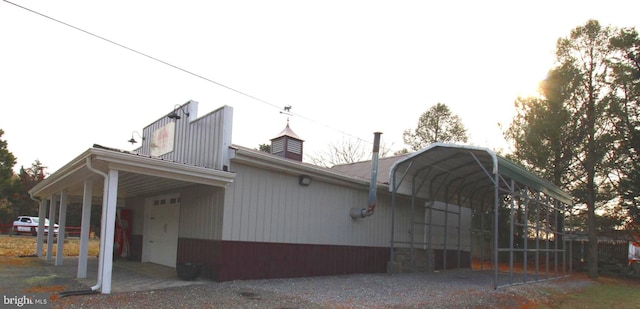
x=26 y=224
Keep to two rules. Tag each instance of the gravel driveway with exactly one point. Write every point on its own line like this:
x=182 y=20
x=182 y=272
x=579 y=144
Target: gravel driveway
x=459 y=289
x=451 y=289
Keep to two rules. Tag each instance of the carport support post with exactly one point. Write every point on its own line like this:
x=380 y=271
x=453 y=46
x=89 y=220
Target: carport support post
x=85 y=227
x=52 y=220
x=495 y=228
x=61 y=230
x=110 y=222
x=42 y=213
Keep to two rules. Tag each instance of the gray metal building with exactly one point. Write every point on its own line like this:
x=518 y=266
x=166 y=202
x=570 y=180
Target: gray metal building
x=246 y=214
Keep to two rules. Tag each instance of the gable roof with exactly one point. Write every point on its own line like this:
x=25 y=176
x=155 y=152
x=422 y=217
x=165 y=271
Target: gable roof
x=362 y=169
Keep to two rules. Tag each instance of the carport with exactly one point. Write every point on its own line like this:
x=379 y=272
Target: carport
x=519 y=222
x=114 y=175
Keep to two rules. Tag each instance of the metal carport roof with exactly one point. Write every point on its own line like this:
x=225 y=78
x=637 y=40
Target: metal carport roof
x=462 y=175
x=477 y=178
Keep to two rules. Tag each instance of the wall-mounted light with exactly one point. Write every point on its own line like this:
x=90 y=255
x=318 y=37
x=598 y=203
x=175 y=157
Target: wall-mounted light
x=174 y=113
x=304 y=180
x=133 y=140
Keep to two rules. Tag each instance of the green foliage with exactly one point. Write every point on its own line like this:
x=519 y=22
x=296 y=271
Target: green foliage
x=400 y=152
x=437 y=124
x=20 y=200
x=573 y=134
x=626 y=113
x=7 y=161
x=540 y=132
x=265 y=148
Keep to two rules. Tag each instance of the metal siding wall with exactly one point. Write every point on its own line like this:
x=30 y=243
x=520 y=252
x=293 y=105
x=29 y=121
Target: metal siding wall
x=201 y=212
x=437 y=233
x=267 y=206
x=403 y=221
x=203 y=142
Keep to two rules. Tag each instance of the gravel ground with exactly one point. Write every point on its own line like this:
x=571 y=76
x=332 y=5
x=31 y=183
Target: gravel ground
x=452 y=289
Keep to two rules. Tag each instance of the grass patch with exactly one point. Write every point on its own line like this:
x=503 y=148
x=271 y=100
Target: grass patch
x=608 y=292
x=26 y=245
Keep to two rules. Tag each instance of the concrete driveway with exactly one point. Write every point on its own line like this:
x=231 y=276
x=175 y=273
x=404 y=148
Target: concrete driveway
x=128 y=276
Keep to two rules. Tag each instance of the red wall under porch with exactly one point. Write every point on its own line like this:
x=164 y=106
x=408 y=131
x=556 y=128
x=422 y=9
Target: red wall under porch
x=238 y=260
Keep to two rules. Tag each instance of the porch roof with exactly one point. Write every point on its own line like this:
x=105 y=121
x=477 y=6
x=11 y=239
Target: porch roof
x=139 y=174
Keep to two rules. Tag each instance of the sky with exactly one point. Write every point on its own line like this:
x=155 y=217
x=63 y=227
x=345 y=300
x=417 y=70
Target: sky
x=346 y=68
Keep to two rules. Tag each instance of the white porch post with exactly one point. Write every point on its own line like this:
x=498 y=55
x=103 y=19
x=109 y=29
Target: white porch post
x=42 y=213
x=85 y=228
x=110 y=221
x=52 y=219
x=61 y=227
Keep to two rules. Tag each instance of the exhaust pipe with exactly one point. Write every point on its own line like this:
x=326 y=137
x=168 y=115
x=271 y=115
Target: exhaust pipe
x=365 y=212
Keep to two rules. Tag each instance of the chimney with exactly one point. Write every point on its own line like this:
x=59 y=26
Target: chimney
x=287 y=145
x=373 y=183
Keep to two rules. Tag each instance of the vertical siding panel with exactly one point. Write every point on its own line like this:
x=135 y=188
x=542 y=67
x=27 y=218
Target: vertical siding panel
x=199 y=204
x=244 y=205
x=267 y=211
x=273 y=215
x=253 y=207
x=260 y=203
x=201 y=142
x=235 y=206
x=282 y=212
x=271 y=207
x=292 y=201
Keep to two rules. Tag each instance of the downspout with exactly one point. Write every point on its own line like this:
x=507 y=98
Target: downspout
x=102 y=224
x=365 y=212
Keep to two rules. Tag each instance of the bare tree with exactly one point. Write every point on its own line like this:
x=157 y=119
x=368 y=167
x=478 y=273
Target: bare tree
x=346 y=151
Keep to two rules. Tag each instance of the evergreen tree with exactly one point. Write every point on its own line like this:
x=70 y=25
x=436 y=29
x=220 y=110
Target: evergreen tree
x=437 y=124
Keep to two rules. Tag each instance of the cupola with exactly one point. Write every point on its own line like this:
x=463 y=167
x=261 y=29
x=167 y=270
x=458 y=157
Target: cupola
x=287 y=144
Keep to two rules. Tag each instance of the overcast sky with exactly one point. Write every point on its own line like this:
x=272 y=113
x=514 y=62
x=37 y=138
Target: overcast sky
x=347 y=68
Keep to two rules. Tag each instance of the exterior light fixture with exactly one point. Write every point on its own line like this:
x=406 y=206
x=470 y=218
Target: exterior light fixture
x=174 y=113
x=304 y=180
x=133 y=140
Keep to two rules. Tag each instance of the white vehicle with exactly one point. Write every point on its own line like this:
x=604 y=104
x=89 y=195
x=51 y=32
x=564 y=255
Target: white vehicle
x=26 y=224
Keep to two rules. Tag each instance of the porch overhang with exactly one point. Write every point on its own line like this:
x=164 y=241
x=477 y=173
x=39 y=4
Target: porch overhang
x=139 y=174
x=113 y=174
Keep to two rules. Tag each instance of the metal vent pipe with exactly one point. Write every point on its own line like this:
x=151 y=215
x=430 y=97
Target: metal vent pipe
x=365 y=212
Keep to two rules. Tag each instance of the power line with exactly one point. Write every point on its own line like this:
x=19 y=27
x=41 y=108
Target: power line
x=180 y=69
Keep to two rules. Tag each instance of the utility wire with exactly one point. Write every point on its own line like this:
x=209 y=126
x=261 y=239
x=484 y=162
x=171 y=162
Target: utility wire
x=181 y=69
